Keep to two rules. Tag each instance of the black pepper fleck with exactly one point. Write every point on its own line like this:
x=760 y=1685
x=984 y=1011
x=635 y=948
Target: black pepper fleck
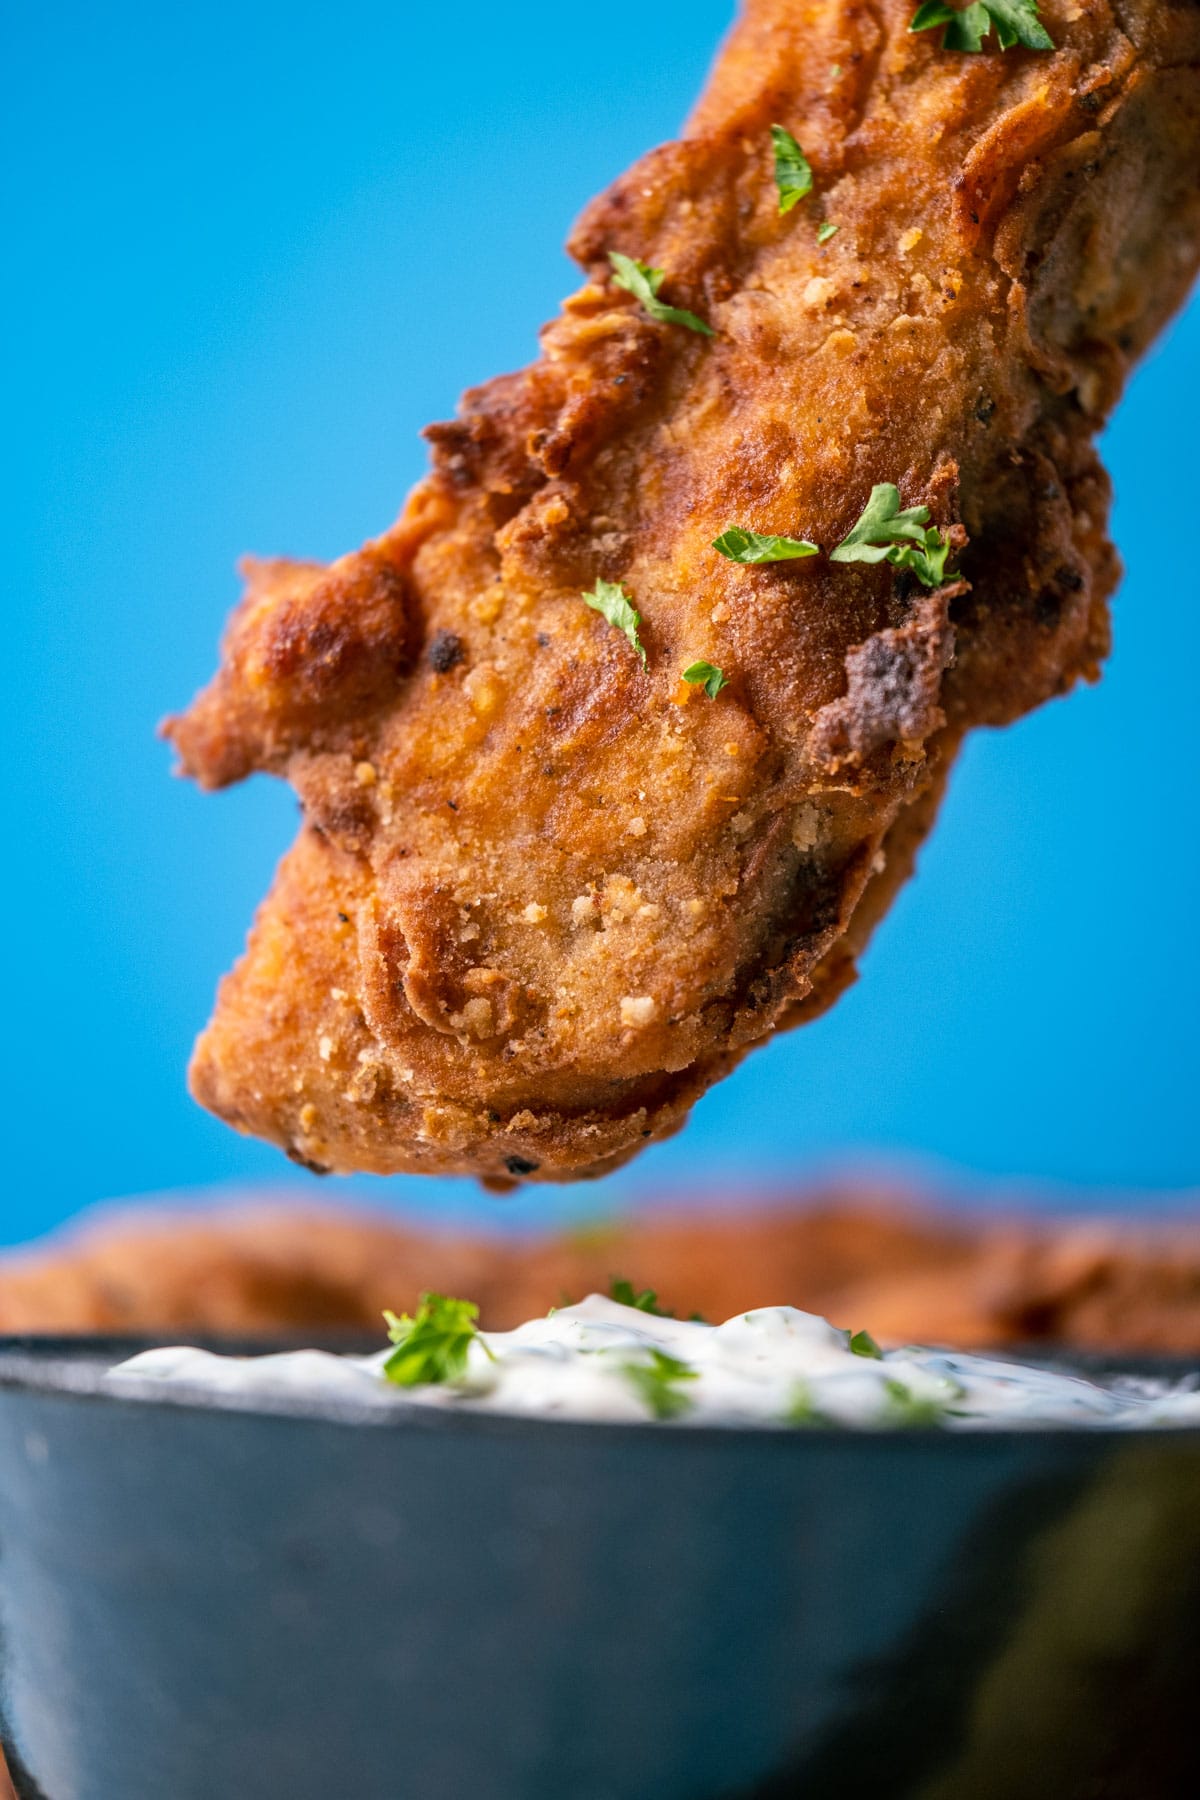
x=445 y=650
x=520 y=1165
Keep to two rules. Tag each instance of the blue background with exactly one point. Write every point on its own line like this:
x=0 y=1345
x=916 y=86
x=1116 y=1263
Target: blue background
x=251 y=250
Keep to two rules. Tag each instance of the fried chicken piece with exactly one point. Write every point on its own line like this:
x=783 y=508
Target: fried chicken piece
x=911 y=1273
x=544 y=896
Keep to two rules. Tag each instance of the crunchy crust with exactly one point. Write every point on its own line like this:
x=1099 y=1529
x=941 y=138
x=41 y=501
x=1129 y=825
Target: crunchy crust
x=542 y=898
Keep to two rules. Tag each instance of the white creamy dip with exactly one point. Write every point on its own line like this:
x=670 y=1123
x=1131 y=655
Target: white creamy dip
x=603 y=1360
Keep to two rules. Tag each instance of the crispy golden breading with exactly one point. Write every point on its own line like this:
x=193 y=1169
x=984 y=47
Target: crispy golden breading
x=543 y=897
x=912 y=1275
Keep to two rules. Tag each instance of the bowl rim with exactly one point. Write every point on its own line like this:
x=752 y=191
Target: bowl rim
x=76 y=1367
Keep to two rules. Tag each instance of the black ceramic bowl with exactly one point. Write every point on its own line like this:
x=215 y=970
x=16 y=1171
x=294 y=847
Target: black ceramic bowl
x=201 y=1601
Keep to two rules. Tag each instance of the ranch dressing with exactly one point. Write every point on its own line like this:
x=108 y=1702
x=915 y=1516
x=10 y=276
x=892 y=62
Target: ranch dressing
x=607 y=1361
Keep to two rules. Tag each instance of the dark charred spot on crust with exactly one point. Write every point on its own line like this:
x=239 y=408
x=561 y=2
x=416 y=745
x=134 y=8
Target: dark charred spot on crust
x=305 y=1162
x=985 y=409
x=344 y=917
x=816 y=900
x=1051 y=600
x=893 y=685
x=344 y=816
x=521 y=1165
x=904 y=587
x=817 y=894
x=324 y=643
x=445 y=651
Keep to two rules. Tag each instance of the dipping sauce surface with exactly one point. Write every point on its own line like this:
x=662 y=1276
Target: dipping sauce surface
x=776 y=1365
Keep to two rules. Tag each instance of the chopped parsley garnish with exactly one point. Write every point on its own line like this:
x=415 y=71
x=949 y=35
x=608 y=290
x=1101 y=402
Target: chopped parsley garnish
x=433 y=1346
x=800 y=1409
x=928 y=564
x=643 y=282
x=825 y=231
x=880 y=524
x=885 y=533
x=708 y=676
x=647 y=1301
x=742 y=546
x=910 y=1410
x=1013 y=21
x=657 y=1382
x=793 y=171
x=610 y=600
x=863 y=1344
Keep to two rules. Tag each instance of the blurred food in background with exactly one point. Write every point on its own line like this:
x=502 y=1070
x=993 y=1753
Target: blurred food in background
x=911 y=1271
